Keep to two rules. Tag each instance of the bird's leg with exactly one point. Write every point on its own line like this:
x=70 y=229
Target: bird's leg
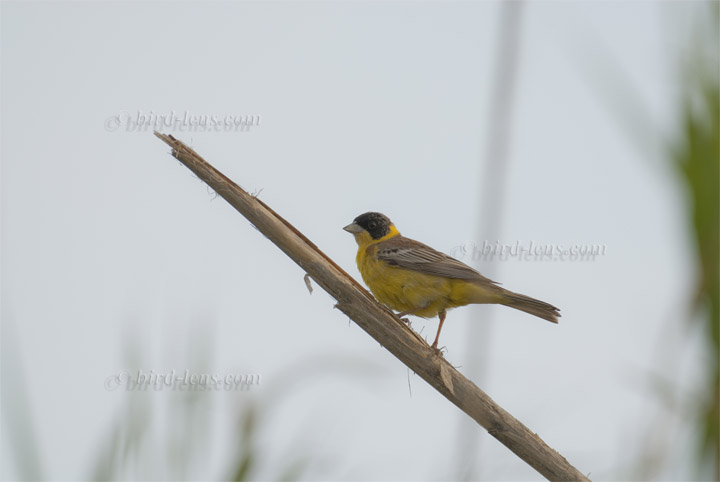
x=442 y=316
x=405 y=313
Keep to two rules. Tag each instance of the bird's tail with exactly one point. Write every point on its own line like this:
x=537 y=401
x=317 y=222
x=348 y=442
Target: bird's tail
x=543 y=310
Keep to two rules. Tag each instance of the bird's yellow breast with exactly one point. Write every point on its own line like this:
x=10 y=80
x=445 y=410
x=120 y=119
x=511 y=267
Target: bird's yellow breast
x=405 y=290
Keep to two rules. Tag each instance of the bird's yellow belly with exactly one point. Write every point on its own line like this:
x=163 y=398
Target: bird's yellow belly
x=404 y=290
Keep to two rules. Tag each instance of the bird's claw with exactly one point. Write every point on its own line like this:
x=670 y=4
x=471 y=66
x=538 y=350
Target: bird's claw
x=438 y=351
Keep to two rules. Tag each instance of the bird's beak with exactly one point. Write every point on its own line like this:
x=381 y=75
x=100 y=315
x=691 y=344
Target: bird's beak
x=353 y=228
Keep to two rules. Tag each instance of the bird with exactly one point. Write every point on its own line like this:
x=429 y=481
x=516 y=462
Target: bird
x=415 y=279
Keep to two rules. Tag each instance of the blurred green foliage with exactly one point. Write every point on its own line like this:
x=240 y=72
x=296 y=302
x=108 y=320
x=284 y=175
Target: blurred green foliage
x=693 y=151
x=140 y=447
x=696 y=154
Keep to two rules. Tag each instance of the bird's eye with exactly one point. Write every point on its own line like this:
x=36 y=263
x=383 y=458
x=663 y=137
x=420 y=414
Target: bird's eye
x=372 y=225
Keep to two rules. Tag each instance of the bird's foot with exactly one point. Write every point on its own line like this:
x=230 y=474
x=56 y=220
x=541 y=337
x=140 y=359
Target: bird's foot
x=437 y=351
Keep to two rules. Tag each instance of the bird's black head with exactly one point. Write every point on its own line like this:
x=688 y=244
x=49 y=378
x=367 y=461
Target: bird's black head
x=376 y=224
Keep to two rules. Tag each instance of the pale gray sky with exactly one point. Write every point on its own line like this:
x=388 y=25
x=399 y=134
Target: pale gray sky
x=364 y=106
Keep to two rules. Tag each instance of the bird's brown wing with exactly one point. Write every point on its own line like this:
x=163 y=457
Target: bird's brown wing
x=416 y=256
